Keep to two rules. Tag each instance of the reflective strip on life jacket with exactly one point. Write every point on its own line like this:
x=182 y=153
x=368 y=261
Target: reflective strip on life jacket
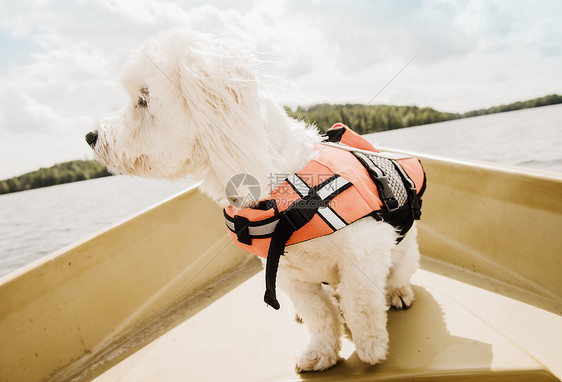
x=326 y=212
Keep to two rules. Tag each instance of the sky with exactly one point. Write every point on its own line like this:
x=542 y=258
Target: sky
x=60 y=60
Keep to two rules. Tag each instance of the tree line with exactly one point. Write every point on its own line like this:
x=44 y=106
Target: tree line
x=551 y=99
x=60 y=173
x=363 y=119
x=371 y=119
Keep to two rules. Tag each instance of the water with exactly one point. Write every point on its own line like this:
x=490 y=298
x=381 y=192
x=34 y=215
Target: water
x=529 y=138
x=36 y=222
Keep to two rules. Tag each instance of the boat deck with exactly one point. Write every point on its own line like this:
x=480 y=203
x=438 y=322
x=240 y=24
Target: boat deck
x=453 y=330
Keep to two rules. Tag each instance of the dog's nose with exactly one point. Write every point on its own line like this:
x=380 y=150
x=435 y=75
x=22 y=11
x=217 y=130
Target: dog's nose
x=92 y=138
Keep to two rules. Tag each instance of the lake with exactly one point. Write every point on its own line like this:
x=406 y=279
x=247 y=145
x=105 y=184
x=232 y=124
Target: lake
x=529 y=138
x=36 y=222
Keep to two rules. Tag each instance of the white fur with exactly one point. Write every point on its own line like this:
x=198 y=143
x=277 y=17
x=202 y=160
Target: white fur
x=206 y=117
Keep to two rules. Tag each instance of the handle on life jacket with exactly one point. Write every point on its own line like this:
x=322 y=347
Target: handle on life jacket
x=340 y=133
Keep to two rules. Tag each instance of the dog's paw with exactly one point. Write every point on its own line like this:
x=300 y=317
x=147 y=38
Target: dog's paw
x=316 y=358
x=372 y=350
x=401 y=298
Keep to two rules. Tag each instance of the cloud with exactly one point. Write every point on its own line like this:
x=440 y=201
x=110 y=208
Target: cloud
x=20 y=113
x=61 y=60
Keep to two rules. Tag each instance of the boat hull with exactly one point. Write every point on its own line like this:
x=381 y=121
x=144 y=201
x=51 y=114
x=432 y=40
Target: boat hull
x=488 y=297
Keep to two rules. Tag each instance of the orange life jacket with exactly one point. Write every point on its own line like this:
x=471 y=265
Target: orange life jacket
x=347 y=180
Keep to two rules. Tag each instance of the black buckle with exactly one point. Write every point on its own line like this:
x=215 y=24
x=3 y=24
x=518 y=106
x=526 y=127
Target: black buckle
x=386 y=191
x=302 y=211
x=391 y=204
x=241 y=229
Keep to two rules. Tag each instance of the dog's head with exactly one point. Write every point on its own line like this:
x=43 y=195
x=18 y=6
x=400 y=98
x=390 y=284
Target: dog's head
x=193 y=102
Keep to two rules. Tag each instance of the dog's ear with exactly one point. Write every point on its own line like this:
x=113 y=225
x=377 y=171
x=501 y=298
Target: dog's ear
x=221 y=82
x=241 y=83
x=225 y=111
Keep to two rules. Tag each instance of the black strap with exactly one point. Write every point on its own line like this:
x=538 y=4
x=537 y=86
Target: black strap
x=400 y=217
x=292 y=219
x=241 y=229
x=414 y=198
x=281 y=235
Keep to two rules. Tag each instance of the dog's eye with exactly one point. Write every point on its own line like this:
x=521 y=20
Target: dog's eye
x=143 y=98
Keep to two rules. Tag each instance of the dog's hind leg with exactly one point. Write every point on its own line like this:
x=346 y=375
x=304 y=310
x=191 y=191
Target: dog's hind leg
x=363 y=302
x=405 y=261
x=322 y=317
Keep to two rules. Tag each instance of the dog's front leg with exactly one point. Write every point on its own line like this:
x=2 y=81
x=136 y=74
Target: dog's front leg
x=363 y=303
x=322 y=317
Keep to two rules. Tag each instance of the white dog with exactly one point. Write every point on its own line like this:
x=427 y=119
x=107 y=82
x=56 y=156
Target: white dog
x=196 y=108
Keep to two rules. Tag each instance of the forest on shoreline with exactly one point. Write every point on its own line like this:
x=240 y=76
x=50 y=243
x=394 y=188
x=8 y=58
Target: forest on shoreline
x=375 y=118
x=361 y=118
x=60 y=173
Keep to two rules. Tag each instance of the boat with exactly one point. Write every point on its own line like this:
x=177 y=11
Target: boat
x=165 y=296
